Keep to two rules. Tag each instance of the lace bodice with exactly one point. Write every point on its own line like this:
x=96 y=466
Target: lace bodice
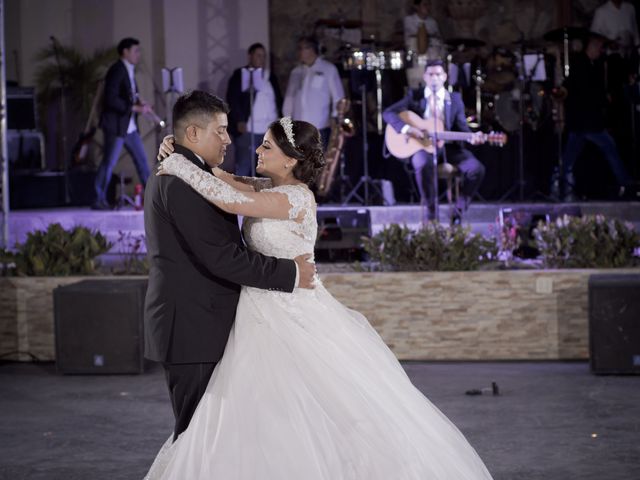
x=285 y=238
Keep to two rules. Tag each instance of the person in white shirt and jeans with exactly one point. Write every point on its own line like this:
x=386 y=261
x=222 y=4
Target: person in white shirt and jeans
x=266 y=108
x=314 y=89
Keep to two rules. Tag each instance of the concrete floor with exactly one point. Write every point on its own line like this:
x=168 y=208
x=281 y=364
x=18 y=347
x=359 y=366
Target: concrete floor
x=542 y=426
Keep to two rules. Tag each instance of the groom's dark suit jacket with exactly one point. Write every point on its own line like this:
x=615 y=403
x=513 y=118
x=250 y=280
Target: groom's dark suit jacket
x=197 y=262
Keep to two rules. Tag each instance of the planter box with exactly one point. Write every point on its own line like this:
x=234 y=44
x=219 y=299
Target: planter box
x=494 y=315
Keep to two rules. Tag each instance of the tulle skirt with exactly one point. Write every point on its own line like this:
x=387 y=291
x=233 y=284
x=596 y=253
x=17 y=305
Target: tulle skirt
x=308 y=390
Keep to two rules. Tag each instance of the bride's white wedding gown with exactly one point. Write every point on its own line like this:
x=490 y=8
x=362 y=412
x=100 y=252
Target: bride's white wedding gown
x=307 y=390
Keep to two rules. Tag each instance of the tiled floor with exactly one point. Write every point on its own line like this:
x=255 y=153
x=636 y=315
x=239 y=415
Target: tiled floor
x=552 y=421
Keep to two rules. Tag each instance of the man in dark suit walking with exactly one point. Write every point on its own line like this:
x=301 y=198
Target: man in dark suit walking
x=119 y=120
x=449 y=107
x=198 y=262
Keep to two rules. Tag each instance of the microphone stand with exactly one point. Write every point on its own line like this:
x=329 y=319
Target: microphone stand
x=522 y=84
x=436 y=205
x=252 y=142
x=365 y=180
x=63 y=120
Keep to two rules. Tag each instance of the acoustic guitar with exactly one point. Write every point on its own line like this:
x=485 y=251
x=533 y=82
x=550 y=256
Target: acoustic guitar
x=403 y=146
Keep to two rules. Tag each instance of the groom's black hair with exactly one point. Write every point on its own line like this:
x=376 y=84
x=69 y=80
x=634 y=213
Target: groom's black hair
x=197 y=107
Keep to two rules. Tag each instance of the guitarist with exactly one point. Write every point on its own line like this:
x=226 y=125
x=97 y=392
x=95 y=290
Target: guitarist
x=450 y=109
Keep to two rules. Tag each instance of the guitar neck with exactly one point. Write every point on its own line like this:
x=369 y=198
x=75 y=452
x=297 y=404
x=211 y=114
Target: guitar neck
x=453 y=136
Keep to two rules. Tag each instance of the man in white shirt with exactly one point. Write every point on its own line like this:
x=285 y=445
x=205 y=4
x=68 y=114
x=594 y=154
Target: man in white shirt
x=314 y=89
x=121 y=106
x=617 y=21
x=413 y=22
x=246 y=119
x=422 y=37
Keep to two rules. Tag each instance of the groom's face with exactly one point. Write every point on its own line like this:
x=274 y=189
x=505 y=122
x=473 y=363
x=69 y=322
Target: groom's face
x=213 y=140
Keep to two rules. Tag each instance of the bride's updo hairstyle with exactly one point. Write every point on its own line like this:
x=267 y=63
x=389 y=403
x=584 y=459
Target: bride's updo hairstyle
x=300 y=140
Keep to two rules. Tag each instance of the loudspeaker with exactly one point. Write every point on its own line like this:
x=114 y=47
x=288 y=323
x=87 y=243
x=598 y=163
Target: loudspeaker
x=21 y=108
x=614 y=323
x=25 y=149
x=46 y=189
x=36 y=189
x=340 y=234
x=99 y=327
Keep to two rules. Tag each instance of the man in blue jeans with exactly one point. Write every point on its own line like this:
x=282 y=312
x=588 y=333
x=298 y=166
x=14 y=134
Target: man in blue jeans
x=121 y=106
x=586 y=104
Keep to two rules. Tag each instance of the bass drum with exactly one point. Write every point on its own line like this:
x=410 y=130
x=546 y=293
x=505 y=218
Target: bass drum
x=500 y=111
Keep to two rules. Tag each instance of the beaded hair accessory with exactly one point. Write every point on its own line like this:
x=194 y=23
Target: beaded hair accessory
x=287 y=126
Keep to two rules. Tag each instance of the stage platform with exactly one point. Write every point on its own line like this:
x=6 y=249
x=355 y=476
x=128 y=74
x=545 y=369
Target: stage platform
x=482 y=217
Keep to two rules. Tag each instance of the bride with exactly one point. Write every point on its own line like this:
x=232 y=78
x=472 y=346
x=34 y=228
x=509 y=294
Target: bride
x=306 y=388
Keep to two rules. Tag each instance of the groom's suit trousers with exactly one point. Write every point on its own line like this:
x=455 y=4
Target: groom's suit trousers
x=187 y=383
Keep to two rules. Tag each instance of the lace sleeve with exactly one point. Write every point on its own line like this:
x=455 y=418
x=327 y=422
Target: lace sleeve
x=257 y=183
x=273 y=203
x=210 y=187
x=301 y=210
x=299 y=200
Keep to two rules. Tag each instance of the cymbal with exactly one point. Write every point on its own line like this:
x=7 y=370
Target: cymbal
x=557 y=35
x=338 y=23
x=465 y=42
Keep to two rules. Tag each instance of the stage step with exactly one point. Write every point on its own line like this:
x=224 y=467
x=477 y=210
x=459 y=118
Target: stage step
x=482 y=217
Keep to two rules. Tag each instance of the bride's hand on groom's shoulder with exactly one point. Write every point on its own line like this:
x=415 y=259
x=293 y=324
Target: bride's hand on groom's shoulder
x=169 y=166
x=306 y=271
x=166 y=147
x=220 y=173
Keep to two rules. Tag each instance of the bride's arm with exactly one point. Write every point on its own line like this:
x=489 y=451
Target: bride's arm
x=245 y=184
x=225 y=196
x=257 y=183
x=233 y=180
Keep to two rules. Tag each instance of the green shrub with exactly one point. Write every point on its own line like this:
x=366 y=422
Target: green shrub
x=587 y=242
x=134 y=261
x=58 y=252
x=433 y=247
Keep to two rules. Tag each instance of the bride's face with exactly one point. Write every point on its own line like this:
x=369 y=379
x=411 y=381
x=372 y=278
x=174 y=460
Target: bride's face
x=271 y=159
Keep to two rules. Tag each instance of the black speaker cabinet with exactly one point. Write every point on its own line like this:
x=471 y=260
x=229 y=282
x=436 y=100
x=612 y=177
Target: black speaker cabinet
x=614 y=323
x=99 y=326
x=340 y=234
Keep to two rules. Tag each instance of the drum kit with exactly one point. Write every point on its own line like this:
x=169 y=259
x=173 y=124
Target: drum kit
x=507 y=87
x=491 y=80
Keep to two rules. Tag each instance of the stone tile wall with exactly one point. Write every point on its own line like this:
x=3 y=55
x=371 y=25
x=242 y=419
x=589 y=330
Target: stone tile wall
x=527 y=315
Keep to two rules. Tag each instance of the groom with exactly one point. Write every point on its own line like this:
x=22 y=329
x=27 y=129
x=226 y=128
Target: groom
x=198 y=262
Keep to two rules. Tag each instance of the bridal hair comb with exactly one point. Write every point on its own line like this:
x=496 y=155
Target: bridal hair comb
x=287 y=126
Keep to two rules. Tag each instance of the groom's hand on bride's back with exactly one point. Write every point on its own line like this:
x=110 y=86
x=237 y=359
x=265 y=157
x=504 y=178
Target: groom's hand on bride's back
x=306 y=271
x=166 y=147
